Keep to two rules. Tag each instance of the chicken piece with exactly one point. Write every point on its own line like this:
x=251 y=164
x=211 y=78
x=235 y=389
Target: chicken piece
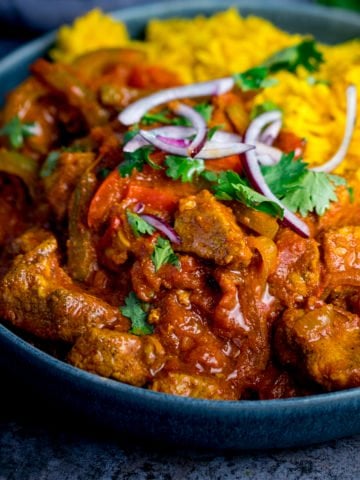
x=197 y=386
x=208 y=229
x=297 y=275
x=122 y=356
x=322 y=344
x=36 y=295
x=62 y=181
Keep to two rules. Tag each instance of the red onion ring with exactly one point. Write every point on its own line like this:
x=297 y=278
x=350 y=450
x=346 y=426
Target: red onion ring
x=198 y=122
x=162 y=226
x=254 y=175
x=165 y=146
x=213 y=150
x=170 y=131
x=257 y=126
x=267 y=155
x=337 y=158
x=179 y=132
x=269 y=133
x=210 y=151
x=136 y=110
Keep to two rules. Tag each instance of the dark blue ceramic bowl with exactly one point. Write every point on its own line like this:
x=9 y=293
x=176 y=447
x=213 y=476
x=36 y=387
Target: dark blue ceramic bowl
x=159 y=417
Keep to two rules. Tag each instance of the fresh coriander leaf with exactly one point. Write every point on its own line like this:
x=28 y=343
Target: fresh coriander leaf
x=138 y=225
x=267 y=106
x=160 y=117
x=299 y=188
x=303 y=54
x=130 y=134
x=205 y=110
x=49 y=164
x=254 y=78
x=315 y=192
x=211 y=131
x=230 y=186
x=136 y=160
x=17 y=131
x=209 y=176
x=284 y=176
x=183 y=168
x=135 y=310
x=163 y=253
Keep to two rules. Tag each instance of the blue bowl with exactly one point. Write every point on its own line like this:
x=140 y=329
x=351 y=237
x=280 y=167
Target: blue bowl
x=177 y=421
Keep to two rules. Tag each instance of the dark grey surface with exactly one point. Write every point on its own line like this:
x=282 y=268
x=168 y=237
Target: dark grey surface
x=38 y=442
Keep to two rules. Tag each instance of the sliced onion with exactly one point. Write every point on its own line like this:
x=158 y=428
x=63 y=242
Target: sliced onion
x=162 y=226
x=170 y=131
x=257 y=126
x=165 y=146
x=255 y=176
x=351 y=107
x=136 y=110
x=270 y=133
x=198 y=122
x=226 y=137
x=179 y=142
x=267 y=155
x=210 y=151
x=213 y=150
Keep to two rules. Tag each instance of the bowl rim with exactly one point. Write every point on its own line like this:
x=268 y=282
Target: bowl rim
x=128 y=14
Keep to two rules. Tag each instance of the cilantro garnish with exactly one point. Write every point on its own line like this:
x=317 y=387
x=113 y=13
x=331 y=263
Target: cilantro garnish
x=163 y=253
x=137 y=160
x=267 y=106
x=303 y=54
x=130 y=134
x=50 y=164
x=254 y=78
x=160 y=117
x=136 y=311
x=183 y=168
x=230 y=186
x=138 y=225
x=17 y=131
x=299 y=188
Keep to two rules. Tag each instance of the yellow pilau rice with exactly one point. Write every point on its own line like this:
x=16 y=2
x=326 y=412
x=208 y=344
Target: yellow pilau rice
x=207 y=48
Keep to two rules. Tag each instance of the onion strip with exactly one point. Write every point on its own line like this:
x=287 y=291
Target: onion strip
x=162 y=226
x=136 y=110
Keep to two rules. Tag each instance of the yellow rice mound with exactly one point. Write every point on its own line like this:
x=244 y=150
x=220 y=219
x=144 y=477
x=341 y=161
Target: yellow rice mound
x=205 y=48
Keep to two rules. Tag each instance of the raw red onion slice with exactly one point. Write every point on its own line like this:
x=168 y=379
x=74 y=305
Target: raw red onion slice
x=179 y=142
x=257 y=126
x=162 y=226
x=165 y=146
x=267 y=155
x=255 y=176
x=269 y=133
x=210 y=150
x=213 y=150
x=198 y=122
x=136 y=110
x=351 y=107
x=170 y=131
